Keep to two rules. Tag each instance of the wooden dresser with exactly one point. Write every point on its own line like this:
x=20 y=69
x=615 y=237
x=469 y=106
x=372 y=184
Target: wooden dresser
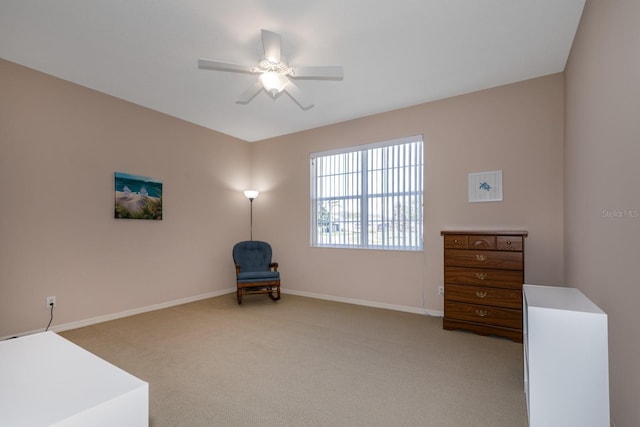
x=483 y=277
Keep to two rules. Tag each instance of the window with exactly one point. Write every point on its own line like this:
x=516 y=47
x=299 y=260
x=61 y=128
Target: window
x=368 y=196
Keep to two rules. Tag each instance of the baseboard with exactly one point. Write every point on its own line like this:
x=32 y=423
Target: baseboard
x=107 y=317
x=94 y=320
x=366 y=303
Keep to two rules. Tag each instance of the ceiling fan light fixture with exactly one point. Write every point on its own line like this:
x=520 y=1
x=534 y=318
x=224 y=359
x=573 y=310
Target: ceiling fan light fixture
x=273 y=82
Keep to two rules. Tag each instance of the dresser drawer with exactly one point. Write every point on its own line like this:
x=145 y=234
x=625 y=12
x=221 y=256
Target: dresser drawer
x=486 y=296
x=455 y=241
x=496 y=316
x=482 y=242
x=509 y=243
x=508 y=279
x=484 y=259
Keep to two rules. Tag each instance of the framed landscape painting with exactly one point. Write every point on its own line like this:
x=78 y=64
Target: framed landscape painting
x=138 y=197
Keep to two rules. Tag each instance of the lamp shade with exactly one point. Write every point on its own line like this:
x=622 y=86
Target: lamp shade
x=251 y=194
x=273 y=82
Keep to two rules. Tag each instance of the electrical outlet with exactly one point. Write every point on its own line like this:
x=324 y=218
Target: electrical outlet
x=440 y=290
x=51 y=301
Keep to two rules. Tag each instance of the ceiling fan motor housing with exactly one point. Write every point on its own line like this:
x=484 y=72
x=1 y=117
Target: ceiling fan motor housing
x=278 y=67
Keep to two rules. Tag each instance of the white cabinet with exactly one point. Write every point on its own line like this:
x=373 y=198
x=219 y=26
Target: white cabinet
x=47 y=380
x=566 y=362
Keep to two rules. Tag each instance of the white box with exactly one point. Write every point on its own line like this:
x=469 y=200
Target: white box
x=49 y=381
x=566 y=358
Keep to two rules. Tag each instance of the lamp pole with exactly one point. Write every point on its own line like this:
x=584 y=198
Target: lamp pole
x=251 y=220
x=251 y=195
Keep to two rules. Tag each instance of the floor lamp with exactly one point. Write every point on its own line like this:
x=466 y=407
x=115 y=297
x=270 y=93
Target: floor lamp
x=251 y=195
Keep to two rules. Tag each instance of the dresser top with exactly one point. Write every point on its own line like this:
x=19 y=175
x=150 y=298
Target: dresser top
x=523 y=233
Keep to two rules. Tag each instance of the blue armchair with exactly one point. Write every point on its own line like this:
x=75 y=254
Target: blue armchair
x=255 y=272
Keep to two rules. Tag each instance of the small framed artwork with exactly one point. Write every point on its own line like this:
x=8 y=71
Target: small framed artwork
x=485 y=186
x=138 y=197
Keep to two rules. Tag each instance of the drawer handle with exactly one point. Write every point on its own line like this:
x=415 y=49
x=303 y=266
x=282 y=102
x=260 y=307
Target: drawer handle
x=508 y=242
x=481 y=294
x=481 y=276
x=481 y=313
x=455 y=241
x=480 y=257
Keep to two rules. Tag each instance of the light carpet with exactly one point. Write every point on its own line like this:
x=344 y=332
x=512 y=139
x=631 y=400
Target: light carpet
x=309 y=362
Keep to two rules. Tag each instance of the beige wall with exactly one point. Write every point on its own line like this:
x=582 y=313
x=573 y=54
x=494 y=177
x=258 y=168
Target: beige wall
x=602 y=203
x=516 y=128
x=59 y=147
x=61 y=144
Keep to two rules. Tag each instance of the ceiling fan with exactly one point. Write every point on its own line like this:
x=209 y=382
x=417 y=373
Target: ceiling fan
x=275 y=75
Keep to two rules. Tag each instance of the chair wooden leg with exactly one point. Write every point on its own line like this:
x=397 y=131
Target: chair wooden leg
x=275 y=297
x=239 y=296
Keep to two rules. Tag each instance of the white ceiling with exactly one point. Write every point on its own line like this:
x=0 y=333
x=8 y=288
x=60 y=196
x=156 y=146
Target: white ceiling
x=395 y=53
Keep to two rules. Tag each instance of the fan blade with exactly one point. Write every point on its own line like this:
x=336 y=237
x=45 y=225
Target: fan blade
x=224 y=66
x=272 y=44
x=296 y=94
x=328 y=72
x=250 y=93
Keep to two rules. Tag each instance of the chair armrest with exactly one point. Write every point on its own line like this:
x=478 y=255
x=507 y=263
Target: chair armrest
x=237 y=268
x=273 y=266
